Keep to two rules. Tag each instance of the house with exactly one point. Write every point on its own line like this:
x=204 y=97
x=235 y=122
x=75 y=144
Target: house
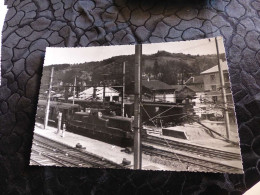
x=110 y=94
x=212 y=84
x=159 y=91
x=200 y=106
x=213 y=91
x=183 y=92
x=196 y=82
x=154 y=90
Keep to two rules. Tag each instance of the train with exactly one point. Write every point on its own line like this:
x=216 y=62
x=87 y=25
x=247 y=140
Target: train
x=104 y=123
x=97 y=123
x=162 y=113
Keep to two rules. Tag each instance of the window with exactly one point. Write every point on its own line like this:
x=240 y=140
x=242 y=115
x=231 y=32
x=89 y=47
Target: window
x=215 y=99
x=212 y=77
x=213 y=87
x=227 y=88
x=229 y=98
x=226 y=77
x=115 y=98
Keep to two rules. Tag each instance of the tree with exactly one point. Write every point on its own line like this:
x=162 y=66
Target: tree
x=69 y=76
x=156 y=69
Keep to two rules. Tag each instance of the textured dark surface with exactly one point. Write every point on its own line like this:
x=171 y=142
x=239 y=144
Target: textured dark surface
x=30 y=26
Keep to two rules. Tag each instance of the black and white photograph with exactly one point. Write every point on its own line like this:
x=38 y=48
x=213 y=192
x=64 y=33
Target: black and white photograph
x=160 y=106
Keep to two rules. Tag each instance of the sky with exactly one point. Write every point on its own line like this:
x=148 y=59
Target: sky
x=3 y=10
x=89 y=54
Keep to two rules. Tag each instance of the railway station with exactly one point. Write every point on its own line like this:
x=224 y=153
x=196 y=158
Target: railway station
x=108 y=120
x=191 y=153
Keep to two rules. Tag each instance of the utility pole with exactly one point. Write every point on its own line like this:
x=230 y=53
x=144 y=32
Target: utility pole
x=104 y=92
x=222 y=85
x=137 y=108
x=74 y=88
x=66 y=94
x=104 y=87
x=123 y=93
x=182 y=76
x=94 y=93
x=47 y=110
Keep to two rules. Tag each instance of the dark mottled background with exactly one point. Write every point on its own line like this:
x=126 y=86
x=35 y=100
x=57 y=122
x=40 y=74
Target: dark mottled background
x=31 y=26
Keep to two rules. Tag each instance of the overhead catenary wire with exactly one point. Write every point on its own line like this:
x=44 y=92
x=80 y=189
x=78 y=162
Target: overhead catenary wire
x=147 y=114
x=190 y=117
x=162 y=112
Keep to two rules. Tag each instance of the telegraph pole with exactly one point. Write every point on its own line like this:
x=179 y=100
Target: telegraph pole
x=74 y=88
x=182 y=76
x=222 y=85
x=66 y=94
x=104 y=87
x=123 y=93
x=104 y=92
x=137 y=108
x=47 y=110
x=94 y=93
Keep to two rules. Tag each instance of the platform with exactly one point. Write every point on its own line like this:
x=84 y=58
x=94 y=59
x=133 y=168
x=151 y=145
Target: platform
x=172 y=132
x=108 y=151
x=196 y=136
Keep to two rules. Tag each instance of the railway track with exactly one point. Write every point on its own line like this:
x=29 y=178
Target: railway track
x=191 y=148
x=47 y=152
x=200 y=164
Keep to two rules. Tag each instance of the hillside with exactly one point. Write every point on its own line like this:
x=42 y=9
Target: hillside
x=164 y=66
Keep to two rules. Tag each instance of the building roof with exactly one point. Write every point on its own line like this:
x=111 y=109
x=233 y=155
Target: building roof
x=178 y=87
x=191 y=87
x=194 y=88
x=195 y=80
x=156 y=85
x=214 y=69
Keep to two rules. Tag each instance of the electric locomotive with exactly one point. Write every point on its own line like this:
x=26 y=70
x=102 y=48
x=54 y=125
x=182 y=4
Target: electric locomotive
x=108 y=128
